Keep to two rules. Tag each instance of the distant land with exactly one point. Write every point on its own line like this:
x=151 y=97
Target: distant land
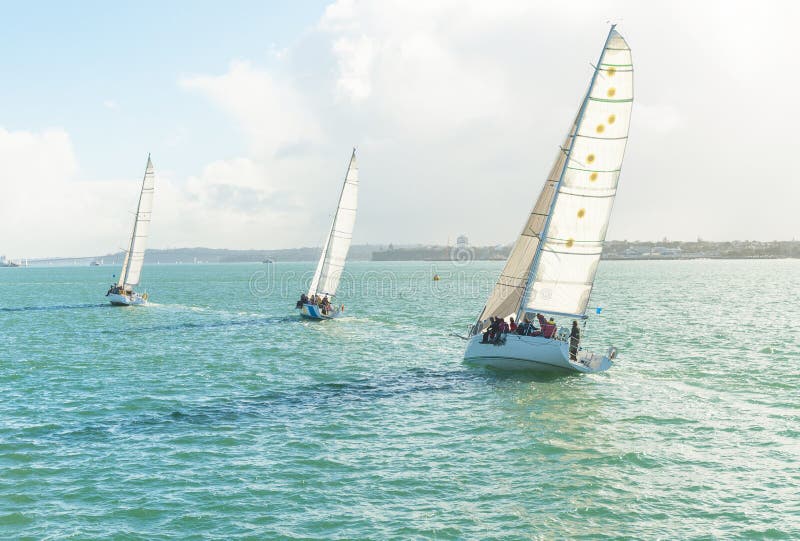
x=614 y=249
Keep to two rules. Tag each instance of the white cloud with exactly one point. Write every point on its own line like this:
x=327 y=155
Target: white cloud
x=110 y=104
x=51 y=211
x=457 y=109
x=355 y=57
x=269 y=109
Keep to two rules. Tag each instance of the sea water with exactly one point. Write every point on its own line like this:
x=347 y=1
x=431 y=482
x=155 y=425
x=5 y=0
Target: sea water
x=217 y=413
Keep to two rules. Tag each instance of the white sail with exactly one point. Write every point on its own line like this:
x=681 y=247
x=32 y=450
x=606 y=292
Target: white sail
x=552 y=265
x=334 y=253
x=134 y=256
x=564 y=268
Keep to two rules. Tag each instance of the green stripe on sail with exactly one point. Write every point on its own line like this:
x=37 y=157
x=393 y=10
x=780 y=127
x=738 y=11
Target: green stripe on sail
x=611 y=101
x=594 y=170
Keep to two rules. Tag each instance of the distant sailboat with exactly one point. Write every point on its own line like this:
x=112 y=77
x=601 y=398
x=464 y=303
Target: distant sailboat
x=317 y=305
x=552 y=267
x=122 y=294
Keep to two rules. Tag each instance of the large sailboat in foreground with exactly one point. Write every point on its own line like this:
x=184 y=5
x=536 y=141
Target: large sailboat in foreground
x=317 y=303
x=552 y=267
x=122 y=294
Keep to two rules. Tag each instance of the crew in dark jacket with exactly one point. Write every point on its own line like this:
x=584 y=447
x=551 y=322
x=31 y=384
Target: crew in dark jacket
x=574 y=341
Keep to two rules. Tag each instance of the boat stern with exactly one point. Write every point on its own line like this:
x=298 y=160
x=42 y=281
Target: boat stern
x=312 y=311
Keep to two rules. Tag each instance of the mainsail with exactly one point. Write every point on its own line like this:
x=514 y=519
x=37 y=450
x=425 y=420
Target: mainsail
x=553 y=263
x=331 y=262
x=134 y=256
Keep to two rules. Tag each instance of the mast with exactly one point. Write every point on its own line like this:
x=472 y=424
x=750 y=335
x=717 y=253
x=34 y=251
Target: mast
x=128 y=256
x=546 y=228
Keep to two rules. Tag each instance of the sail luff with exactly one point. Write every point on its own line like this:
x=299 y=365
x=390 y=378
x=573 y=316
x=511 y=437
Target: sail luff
x=573 y=137
x=331 y=263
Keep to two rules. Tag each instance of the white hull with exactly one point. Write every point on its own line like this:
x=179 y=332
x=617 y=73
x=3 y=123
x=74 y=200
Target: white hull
x=532 y=353
x=313 y=311
x=126 y=300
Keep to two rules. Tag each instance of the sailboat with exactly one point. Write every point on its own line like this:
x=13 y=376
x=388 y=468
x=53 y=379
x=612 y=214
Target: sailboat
x=122 y=294
x=551 y=269
x=316 y=304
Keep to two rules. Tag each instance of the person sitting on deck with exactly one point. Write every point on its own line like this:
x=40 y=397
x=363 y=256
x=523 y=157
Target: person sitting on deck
x=549 y=329
x=512 y=327
x=487 y=334
x=526 y=328
x=542 y=323
x=325 y=305
x=303 y=300
x=500 y=331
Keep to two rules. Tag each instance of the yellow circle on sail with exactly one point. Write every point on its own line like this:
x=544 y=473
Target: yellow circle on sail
x=611 y=71
x=570 y=242
x=590 y=158
x=581 y=213
x=593 y=177
x=611 y=92
x=600 y=128
x=612 y=119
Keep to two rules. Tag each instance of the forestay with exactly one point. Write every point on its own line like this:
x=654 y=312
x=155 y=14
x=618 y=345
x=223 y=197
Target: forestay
x=564 y=269
x=134 y=257
x=334 y=253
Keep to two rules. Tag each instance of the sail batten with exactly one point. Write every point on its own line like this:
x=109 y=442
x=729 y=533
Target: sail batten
x=329 y=269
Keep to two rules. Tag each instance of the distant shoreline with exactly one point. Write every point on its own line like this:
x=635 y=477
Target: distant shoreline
x=612 y=250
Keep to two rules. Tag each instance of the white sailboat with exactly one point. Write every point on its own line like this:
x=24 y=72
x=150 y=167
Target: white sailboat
x=316 y=304
x=551 y=269
x=122 y=294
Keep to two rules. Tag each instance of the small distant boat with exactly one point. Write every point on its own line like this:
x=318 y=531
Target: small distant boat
x=122 y=294
x=9 y=263
x=436 y=278
x=268 y=261
x=94 y=263
x=317 y=305
x=551 y=269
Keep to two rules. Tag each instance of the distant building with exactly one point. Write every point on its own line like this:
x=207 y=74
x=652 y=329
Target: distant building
x=663 y=251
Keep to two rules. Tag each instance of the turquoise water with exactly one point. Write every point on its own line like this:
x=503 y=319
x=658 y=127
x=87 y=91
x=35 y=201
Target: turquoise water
x=216 y=413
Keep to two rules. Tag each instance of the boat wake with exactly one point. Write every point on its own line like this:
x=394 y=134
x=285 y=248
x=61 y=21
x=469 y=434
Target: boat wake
x=53 y=307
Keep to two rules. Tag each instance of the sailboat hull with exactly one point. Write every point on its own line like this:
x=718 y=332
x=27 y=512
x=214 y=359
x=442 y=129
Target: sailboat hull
x=312 y=311
x=126 y=300
x=532 y=353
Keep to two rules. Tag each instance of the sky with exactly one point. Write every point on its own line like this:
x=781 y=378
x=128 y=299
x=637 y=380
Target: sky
x=250 y=111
